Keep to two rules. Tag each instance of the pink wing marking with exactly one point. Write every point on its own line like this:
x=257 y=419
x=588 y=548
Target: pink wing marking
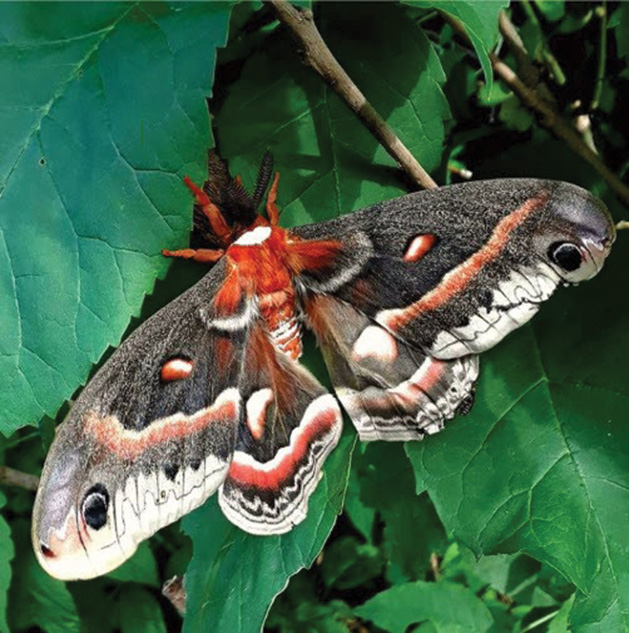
x=129 y=444
x=458 y=278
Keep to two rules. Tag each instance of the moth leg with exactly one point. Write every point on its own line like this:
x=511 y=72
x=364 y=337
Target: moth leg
x=211 y=211
x=205 y=255
x=272 y=211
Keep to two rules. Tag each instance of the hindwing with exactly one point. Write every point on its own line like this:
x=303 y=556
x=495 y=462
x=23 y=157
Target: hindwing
x=291 y=423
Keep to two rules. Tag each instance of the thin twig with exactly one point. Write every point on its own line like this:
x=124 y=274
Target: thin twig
x=435 y=566
x=17 y=478
x=302 y=28
x=549 y=115
x=543 y=53
x=553 y=120
x=601 y=12
x=527 y=70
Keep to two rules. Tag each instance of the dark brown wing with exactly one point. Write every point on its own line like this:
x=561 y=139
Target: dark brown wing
x=441 y=275
x=291 y=423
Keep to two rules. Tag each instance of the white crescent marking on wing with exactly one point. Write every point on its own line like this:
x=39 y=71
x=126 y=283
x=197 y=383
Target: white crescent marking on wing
x=257 y=405
x=375 y=342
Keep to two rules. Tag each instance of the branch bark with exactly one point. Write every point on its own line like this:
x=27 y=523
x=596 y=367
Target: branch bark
x=550 y=117
x=535 y=100
x=303 y=30
x=14 y=477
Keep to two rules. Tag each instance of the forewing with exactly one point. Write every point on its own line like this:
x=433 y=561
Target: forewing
x=452 y=271
x=419 y=285
x=149 y=439
x=291 y=423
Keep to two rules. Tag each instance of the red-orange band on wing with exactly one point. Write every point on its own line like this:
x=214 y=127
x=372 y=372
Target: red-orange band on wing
x=129 y=444
x=458 y=278
x=286 y=462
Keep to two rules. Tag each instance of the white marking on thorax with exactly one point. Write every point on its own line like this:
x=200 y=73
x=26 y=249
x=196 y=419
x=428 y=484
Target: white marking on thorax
x=255 y=236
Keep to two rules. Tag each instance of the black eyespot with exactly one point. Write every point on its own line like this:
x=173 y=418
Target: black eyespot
x=566 y=255
x=95 y=504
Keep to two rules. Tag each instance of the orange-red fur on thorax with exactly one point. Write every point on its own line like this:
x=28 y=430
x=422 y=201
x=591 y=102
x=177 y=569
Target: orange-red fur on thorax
x=265 y=271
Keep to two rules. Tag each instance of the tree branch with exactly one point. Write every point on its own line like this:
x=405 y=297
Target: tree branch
x=537 y=102
x=302 y=28
x=550 y=117
x=14 y=477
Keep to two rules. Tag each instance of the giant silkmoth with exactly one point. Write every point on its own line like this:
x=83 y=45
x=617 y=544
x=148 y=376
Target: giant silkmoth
x=208 y=395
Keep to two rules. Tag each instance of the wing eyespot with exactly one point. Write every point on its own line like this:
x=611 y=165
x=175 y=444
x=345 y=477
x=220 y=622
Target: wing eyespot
x=176 y=369
x=95 y=506
x=566 y=255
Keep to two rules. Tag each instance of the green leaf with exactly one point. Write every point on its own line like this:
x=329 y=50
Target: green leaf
x=559 y=624
x=102 y=111
x=234 y=576
x=140 y=568
x=300 y=610
x=98 y=604
x=6 y=555
x=348 y=564
x=480 y=19
x=450 y=608
x=140 y=612
x=620 y=22
x=494 y=571
x=552 y=10
x=515 y=115
x=36 y=599
x=387 y=485
x=537 y=465
x=329 y=163
x=361 y=515
x=493 y=95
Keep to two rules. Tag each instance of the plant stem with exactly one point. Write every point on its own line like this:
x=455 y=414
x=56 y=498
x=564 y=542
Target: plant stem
x=302 y=28
x=17 y=478
x=601 y=12
x=542 y=620
x=550 y=117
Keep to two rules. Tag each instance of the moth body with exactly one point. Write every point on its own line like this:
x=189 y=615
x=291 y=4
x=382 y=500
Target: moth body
x=207 y=396
x=264 y=269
